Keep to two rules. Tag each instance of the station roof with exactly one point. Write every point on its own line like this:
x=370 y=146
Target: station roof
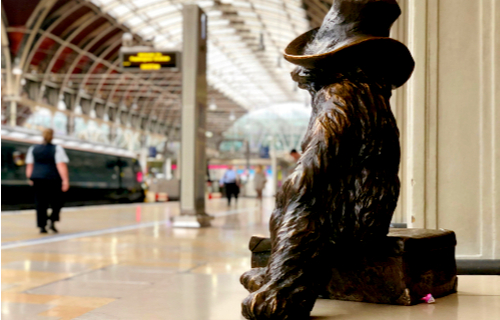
x=75 y=51
x=245 y=42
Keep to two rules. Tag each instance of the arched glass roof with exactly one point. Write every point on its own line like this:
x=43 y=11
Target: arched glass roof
x=245 y=41
x=64 y=55
x=283 y=124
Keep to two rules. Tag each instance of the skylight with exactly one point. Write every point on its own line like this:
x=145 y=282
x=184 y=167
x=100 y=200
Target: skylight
x=238 y=65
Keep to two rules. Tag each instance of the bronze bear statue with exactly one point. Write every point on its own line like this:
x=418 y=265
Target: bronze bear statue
x=344 y=190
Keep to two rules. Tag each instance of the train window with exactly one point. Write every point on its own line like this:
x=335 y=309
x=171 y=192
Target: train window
x=6 y=160
x=87 y=166
x=103 y=166
x=111 y=163
x=129 y=178
x=137 y=166
x=13 y=156
x=18 y=158
x=75 y=165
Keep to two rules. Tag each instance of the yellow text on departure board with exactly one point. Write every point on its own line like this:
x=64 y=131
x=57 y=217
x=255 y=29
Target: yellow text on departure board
x=144 y=57
x=150 y=66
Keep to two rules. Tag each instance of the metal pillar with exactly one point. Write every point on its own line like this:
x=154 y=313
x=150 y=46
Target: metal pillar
x=168 y=168
x=13 y=114
x=194 y=103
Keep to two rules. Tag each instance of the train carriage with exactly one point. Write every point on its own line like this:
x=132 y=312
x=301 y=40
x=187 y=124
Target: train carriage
x=96 y=177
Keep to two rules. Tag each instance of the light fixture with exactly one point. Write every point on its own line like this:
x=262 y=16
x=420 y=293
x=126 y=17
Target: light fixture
x=78 y=110
x=212 y=106
x=61 y=105
x=17 y=71
x=127 y=39
x=232 y=117
x=209 y=134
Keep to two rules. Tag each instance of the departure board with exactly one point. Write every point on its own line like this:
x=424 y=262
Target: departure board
x=150 y=61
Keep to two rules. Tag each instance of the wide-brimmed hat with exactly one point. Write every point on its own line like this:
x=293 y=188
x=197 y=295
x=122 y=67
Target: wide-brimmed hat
x=355 y=31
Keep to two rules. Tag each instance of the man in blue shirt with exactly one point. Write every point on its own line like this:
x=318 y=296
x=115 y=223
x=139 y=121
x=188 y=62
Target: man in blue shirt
x=230 y=181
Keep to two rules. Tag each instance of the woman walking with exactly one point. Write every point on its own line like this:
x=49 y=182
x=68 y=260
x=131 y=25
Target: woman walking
x=259 y=182
x=46 y=167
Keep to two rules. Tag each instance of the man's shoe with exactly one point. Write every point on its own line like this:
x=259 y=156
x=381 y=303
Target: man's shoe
x=42 y=230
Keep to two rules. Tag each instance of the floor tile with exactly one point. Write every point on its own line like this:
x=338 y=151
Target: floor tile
x=47 y=266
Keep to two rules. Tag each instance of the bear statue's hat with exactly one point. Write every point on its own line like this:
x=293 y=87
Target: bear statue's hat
x=355 y=30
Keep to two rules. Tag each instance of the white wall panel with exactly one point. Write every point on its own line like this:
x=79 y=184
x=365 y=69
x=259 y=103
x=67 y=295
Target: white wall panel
x=459 y=121
x=495 y=15
x=452 y=122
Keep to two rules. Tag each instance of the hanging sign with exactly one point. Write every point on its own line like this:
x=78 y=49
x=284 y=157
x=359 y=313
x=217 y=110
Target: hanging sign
x=150 y=61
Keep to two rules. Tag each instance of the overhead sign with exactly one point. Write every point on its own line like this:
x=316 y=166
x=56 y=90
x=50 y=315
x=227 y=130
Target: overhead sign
x=150 y=61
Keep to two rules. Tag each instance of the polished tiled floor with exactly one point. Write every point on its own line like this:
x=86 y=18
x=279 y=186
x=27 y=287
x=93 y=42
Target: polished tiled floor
x=127 y=262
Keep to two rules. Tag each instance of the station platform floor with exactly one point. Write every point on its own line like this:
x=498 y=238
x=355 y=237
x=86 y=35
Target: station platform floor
x=128 y=262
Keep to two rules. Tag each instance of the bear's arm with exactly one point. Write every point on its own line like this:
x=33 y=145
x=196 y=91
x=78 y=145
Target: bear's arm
x=323 y=143
x=297 y=235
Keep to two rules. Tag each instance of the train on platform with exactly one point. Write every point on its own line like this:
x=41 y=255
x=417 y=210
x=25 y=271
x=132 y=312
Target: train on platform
x=98 y=174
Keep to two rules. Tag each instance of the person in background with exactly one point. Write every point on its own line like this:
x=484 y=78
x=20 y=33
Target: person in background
x=295 y=155
x=259 y=182
x=46 y=167
x=230 y=182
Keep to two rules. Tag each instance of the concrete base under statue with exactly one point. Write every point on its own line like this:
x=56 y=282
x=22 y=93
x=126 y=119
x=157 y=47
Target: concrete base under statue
x=404 y=268
x=192 y=221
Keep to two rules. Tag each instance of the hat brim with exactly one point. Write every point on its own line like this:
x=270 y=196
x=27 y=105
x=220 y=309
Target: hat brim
x=388 y=57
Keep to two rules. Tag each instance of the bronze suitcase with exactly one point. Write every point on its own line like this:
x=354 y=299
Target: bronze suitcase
x=404 y=268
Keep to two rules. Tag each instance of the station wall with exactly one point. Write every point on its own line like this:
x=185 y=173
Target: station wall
x=449 y=115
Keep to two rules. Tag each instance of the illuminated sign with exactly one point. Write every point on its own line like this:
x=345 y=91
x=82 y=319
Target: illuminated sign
x=149 y=61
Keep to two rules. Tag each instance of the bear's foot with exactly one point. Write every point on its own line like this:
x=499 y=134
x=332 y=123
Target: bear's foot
x=275 y=304
x=253 y=279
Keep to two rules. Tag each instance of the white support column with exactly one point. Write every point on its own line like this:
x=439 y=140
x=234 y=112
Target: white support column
x=416 y=107
x=13 y=114
x=168 y=169
x=399 y=31
x=194 y=101
x=144 y=160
